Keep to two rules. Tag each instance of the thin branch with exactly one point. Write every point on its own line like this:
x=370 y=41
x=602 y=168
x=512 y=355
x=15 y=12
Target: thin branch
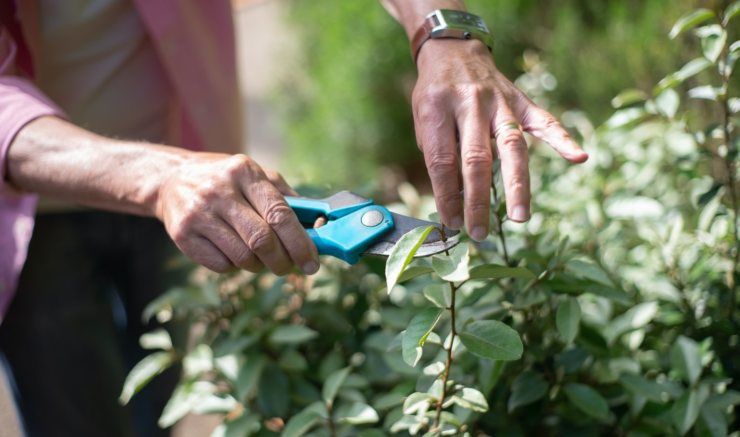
x=448 y=364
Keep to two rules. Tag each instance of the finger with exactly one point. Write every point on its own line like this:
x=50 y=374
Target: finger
x=291 y=236
x=230 y=243
x=435 y=133
x=282 y=186
x=477 y=158
x=205 y=253
x=546 y=127
x=512 y=150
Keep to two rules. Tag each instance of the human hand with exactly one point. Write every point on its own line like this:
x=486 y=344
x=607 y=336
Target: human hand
x=461 y=98
x=225 y=211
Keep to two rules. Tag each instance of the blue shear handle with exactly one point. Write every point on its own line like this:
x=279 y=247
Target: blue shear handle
x=347 y=238
x=333 y=207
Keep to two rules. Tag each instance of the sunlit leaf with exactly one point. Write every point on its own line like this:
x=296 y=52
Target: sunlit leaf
x=357 y=414
x=493 y=340
x=686 y=409
x=628 y=97
x=416 y=402
x=416 y=334
x=692 y=68
x=143 y=372
x=588 y=400
x=157 y=339
x=568 y=318
x=453 y=268
x=635 y=318
x=713 y=40
x=333 y=383
x=198 y=360
x=686 y=358
x=731 y=12
x=667 y=102
x=528 y=387
x=403 y=252
x=690 y=20
x=301 y=423
x=471 y=399
x=438 y=294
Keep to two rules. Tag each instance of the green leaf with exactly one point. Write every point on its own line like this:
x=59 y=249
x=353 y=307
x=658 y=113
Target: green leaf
x=357 y=414
x=690 y=20
x=271 y=395
x=628 y=97
x=249 y=377
x=528 y=387
x=636 y=317
x=493 y=340
x=402 y=254
x=641 y=386
x=414 y=271
x=692 y=68
x=246 y=424
x=494 y=271
x=292 y=334
x=471 y=399
x=143 y=372
x=438 y=294
x=453 y=268
x=730 y=12
x=416 y=334
x=416 y=402
x=197 y=361
x=686 y=359
x=686 y=409
x=667 y=102
x=568 y=319
x=625 y=117
x=301 y=423
x=333 y=383
x=180 y=403
x=157 y=339
x=714 y=420
x=588 y=400
x=713 y=40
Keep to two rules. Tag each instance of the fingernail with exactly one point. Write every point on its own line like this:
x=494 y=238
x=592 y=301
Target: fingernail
x=456 y=223
x=478 y=233
x=310 y=267
x=519 y=214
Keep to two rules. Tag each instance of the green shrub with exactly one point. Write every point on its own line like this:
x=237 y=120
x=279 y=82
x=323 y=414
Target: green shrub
x=613 y=311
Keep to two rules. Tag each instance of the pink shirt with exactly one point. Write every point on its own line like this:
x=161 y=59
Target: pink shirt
x=195 y=43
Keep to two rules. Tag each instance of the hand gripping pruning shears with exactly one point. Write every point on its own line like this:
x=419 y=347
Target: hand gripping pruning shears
x=356 y=226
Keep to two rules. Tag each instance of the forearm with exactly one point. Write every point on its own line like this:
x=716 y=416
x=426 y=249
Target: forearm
x=52 y=157
x=411 y=14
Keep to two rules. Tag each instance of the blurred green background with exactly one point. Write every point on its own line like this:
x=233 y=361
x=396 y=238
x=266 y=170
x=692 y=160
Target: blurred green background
x=347 y=99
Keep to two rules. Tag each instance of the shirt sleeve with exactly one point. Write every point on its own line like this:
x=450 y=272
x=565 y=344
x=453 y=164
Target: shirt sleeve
x=20 y=101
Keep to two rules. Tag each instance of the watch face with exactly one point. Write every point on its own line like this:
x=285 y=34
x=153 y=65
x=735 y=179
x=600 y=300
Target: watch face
x=463 y=19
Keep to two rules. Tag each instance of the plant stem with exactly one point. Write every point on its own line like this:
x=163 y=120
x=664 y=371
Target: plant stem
x=500 y=223
x=448 y=364
x=729 y=161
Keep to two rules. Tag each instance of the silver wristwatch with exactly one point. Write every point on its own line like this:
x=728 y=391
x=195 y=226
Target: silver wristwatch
x=447 y=23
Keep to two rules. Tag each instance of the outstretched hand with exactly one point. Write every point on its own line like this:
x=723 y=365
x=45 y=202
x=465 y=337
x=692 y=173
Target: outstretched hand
x=460 y=102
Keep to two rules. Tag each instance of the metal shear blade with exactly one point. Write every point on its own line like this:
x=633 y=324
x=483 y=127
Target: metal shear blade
x=403 y=224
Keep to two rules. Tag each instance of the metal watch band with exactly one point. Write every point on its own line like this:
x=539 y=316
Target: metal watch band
x=436 y=25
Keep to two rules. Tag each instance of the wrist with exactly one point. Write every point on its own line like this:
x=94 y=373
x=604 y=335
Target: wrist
x=435 y=49
x=166 y=162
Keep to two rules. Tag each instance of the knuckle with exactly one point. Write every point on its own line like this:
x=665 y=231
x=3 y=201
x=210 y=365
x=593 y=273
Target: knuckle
x=477 y=91
x=278 y=214
x=511 y=140
x=236 y=164
x=478 y=156
x=441 y=163
x=261 y=239
x=244 y=257
x=518 y=183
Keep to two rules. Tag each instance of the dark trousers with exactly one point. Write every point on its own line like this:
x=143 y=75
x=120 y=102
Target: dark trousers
x=71 y=333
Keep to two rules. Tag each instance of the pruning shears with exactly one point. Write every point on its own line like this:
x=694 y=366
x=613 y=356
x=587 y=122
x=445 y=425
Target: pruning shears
x=356 y=226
